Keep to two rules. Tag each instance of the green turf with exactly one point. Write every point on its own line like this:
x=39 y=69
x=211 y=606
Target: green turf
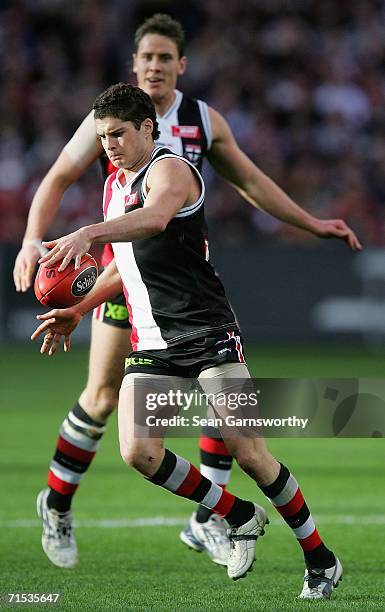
x=146 y=568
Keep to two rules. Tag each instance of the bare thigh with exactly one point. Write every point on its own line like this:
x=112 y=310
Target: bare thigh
x=109 y=348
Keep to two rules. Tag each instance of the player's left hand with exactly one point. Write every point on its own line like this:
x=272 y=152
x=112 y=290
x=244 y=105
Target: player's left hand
x=337 y=228
x=72 y=246
x=57 y=324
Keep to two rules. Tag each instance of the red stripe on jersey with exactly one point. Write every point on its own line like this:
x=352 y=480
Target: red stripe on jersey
x=226 y=502
x=211 y=445
x=293 y=506
x=311 y=542
x=107 y=195
x=110 y=167
x=74 y=451
x=60 y=486
x=134 y=331
x=108 y=254
x=190 y=483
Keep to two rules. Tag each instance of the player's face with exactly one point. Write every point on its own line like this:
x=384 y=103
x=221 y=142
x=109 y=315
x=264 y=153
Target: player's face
x=124 y=145
x=157 y=66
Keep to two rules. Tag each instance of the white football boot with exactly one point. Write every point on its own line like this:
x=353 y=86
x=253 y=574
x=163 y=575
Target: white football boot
x=243 y=540
x=210 y=537
x=319 y=583
x=57 y=539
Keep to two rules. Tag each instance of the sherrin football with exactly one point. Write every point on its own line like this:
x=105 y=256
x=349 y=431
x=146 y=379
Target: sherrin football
x=62 y=289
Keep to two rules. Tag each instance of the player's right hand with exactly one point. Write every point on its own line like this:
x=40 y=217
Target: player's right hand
x=25 y=264
x=57 y=323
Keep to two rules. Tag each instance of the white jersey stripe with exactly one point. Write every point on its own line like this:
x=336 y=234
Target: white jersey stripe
x=138 y=298
x=206 y=122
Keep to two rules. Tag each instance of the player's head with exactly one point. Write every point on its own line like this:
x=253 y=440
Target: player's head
x=126 y=123
x=159 y=55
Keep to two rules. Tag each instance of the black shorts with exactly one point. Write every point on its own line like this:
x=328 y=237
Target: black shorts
x=190 y=358
x=114 y=312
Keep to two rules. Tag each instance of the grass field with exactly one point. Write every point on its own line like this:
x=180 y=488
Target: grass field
x=125 y=566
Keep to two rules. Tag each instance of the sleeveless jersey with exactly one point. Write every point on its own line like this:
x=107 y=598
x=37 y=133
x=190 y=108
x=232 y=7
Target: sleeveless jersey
x=185 y=129
x=173 y=293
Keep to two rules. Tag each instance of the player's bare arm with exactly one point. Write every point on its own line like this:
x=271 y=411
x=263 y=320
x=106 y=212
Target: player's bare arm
x=79 y=153
x=171 y=185
x=232 y=164
x=61 y=322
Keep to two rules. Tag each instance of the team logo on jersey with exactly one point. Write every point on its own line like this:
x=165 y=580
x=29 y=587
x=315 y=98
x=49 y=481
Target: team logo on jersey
x=186 y=131
x=193 y=153
x=130 y=200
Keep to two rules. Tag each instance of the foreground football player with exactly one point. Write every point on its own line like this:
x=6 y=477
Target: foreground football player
x=153 y=208
x=193 y=130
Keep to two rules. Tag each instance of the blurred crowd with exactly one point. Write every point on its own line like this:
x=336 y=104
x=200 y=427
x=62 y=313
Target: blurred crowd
x=301 y=82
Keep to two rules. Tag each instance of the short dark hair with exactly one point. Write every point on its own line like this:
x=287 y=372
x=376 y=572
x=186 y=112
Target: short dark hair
x=128 y=103
x=164 y=25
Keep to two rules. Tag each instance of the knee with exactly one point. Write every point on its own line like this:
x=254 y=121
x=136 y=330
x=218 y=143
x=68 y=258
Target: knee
x=139 y=456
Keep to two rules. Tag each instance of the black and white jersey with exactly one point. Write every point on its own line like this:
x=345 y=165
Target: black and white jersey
x=185 y=128
x=173 y=293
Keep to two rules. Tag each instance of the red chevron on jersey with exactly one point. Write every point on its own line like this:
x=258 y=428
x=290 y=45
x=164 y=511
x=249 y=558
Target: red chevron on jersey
x=186 y=131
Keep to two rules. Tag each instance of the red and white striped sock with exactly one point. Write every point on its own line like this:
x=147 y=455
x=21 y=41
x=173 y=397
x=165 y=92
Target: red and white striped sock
x=179 y=476
x=285 y=494
x=216 y=463
x=78 y=441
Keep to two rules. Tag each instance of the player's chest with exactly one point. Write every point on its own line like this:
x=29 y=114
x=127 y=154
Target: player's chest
x=124 y=201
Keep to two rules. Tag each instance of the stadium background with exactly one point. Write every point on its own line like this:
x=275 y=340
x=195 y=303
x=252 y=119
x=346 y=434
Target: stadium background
x=302 y=84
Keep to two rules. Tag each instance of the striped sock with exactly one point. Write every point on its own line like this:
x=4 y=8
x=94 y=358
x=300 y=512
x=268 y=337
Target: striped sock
x=180 y=477
x=79 y=438
x=216 y=464
x=285 y=494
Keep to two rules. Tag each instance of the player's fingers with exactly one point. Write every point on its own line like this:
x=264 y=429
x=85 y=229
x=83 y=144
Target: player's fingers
x=42 y=328
x=48 y=315
x=17 y=277
x=47 y=342
x=54 y=344
x=27 y=277
x=49 y=244
x=78 y=260
x=67 y=343
x=66 y=260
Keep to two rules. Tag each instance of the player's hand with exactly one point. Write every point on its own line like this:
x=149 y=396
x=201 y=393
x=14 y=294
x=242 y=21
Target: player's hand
x=25 y=264
x=337 y=228
x=57 y=324
x=72 y=246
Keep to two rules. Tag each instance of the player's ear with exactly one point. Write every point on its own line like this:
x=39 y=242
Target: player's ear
x=148 y=126
x=182 y=65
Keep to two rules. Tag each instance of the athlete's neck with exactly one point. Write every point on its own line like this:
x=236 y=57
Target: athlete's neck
x=139 y=164
x=163 y=104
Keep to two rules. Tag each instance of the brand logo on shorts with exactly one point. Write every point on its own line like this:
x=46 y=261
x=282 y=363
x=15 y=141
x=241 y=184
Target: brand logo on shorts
x=134 y=361
x=117 y=312
x=84 y=282
x=186 y=131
